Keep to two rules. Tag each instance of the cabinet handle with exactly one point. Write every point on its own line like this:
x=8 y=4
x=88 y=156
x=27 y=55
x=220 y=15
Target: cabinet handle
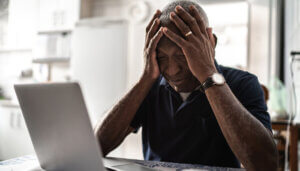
x=19 y=120
x=11 y=119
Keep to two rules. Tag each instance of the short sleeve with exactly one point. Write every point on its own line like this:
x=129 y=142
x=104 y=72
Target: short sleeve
x=139 y=117
x=252 y=97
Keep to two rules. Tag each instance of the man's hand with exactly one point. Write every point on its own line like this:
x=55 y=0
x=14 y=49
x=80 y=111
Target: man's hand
x=197 y=47
x=153 y=35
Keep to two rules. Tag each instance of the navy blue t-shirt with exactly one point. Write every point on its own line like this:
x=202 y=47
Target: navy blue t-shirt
x=188 y=132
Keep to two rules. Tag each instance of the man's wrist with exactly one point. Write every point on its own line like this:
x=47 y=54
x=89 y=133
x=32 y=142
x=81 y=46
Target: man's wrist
x=204 y=75
x=216 y=79
x=147 y=79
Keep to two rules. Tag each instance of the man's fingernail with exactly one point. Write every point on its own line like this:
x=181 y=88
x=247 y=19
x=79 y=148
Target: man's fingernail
x=178 y=8
x=172 y=14
x=165 y=29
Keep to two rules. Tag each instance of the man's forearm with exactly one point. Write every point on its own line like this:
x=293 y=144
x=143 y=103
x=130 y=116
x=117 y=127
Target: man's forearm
x=249 y=140
x=116 y=125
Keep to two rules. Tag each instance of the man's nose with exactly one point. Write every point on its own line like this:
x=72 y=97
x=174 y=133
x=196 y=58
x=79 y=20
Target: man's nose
x=173 y=68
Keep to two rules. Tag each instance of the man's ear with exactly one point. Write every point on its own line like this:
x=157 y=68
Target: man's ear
x=216 y=39
x=212 y=37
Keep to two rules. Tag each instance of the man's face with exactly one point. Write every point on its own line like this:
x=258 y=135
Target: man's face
x=173 y=66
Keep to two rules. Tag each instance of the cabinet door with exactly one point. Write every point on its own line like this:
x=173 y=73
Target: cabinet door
x=21 y=23
x=15 y=140
x=57 y=14
x=4 y=124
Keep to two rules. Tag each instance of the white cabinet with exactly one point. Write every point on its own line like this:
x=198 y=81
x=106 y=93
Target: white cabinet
x=25 y=18
x=14 y=138
x=21 y=23
x=57 y=14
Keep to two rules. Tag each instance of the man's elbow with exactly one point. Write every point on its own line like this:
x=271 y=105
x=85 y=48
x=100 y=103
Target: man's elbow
x=268 y=163
x=105 y=152
x=103 y=144
x=273 y=157
x=272 y=160
x=265 y=157
x=270 y=156
x=104 y=148
x=268 y=160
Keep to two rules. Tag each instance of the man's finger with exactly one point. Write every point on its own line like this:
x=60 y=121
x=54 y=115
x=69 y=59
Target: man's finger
x=156 y=15
x=152 y=31
x=153 y=45
x=154 y=41
x=184 y=29
x=188 y=19
x=211 y=36
x=199 y=20
x=175 y=38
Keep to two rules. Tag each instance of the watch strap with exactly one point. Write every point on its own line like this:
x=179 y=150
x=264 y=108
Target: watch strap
x=207 y=83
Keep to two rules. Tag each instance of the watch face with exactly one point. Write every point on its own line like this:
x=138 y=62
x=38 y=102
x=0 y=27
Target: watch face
x=218 y=78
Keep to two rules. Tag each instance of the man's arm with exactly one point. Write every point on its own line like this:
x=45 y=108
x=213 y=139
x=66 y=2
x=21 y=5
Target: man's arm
x=249 y=140
x=116 y=125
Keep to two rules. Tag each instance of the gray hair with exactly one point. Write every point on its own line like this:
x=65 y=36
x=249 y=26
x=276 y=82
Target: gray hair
x=185 y=4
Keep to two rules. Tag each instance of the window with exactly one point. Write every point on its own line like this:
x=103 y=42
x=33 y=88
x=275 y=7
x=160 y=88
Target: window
x=230 y=24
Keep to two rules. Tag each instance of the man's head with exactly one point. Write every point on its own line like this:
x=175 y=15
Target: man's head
x=165 y=13
x=171 y=60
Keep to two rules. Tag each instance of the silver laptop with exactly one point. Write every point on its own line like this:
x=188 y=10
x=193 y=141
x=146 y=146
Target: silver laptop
x=60 y=129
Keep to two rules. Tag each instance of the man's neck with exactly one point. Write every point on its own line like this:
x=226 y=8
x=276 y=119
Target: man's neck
x=185 y=95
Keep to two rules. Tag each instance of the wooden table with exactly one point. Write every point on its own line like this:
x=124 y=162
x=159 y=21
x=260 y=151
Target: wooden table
x=282 y=125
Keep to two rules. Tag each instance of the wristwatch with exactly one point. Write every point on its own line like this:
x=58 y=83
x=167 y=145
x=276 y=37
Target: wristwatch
x=215 y=79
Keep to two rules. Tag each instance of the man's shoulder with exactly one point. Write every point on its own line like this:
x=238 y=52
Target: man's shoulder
x=237 y=77
x=241 y=82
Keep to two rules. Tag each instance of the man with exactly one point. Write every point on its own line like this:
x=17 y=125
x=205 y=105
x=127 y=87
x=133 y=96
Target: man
x=191 y=109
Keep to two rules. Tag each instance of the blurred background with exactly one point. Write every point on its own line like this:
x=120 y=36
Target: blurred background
x=99 y=43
